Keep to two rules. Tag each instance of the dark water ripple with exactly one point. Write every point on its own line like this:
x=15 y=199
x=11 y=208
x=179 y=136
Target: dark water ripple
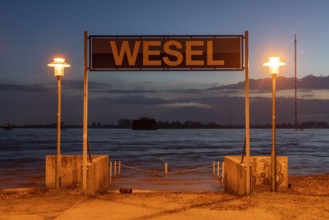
x=23 y=151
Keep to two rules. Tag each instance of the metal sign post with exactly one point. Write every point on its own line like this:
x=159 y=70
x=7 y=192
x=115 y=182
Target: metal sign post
x=247 y=116
x=165 y=53
x=85 y=114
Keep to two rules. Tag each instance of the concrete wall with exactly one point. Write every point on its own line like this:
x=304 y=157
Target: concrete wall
x=97 y=175
x=261 y=171
x=235 y=173
x=71 y=172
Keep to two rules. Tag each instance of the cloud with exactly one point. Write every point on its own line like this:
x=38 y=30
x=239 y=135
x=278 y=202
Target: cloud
x=314 y=82
x=258 y=87
x=184 y=91
x=185 y=104
x=78 y=84
x=129 y=91
x=168 y=103
x=36 y=88
x=49 y=87
x=136 y=100
x=140 y=91
x=283 y=83
x=37 y=102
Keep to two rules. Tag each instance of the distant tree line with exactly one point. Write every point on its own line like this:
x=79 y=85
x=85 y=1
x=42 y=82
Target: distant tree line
x=127 y=124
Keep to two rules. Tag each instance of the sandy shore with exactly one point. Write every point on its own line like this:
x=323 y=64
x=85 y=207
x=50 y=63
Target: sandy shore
x=306 y=198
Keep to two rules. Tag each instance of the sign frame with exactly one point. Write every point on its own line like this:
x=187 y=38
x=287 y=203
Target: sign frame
x=244 y=66
x=164 y=38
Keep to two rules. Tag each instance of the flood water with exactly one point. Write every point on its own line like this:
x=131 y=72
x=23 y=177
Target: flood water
x=23 y=151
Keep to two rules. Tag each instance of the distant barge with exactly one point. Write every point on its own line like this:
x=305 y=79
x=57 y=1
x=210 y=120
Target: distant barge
x=145 y=124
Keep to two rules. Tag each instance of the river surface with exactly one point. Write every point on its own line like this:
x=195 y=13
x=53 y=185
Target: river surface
x=23 y=151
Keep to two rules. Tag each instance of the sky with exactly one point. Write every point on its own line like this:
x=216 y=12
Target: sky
x=34 y=32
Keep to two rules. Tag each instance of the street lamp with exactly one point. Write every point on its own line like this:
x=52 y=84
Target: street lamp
x=59 y=64
x=274 y=64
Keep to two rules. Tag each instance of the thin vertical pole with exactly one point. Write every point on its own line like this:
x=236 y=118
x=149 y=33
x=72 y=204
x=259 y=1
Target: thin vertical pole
x=296 y=123
x=223 y=172
x=115 y=169
x=273 y=155
x=218 y=169
x=58 y=150
x=213 y=167
x=85 y=115
x=111 y=170
x=165 y=168
x=247 y=112
x=119 y=168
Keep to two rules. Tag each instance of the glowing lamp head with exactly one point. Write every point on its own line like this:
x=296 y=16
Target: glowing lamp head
x=274 y=64
x=59 y=64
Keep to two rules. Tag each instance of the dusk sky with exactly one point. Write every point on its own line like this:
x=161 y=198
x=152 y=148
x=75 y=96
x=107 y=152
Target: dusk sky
x=34 y=32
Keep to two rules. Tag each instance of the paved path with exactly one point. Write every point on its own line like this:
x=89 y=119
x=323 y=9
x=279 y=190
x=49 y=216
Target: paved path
x=150 y=208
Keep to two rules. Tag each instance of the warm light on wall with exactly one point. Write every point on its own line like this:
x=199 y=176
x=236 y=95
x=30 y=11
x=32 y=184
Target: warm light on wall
x=274 y=64
x=59 y=64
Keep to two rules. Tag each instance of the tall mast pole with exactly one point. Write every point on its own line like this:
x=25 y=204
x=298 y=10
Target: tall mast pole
x=296 y=123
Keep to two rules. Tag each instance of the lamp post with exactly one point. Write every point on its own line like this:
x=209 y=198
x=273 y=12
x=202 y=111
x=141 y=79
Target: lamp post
x=59 y=64
x=274 y=64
